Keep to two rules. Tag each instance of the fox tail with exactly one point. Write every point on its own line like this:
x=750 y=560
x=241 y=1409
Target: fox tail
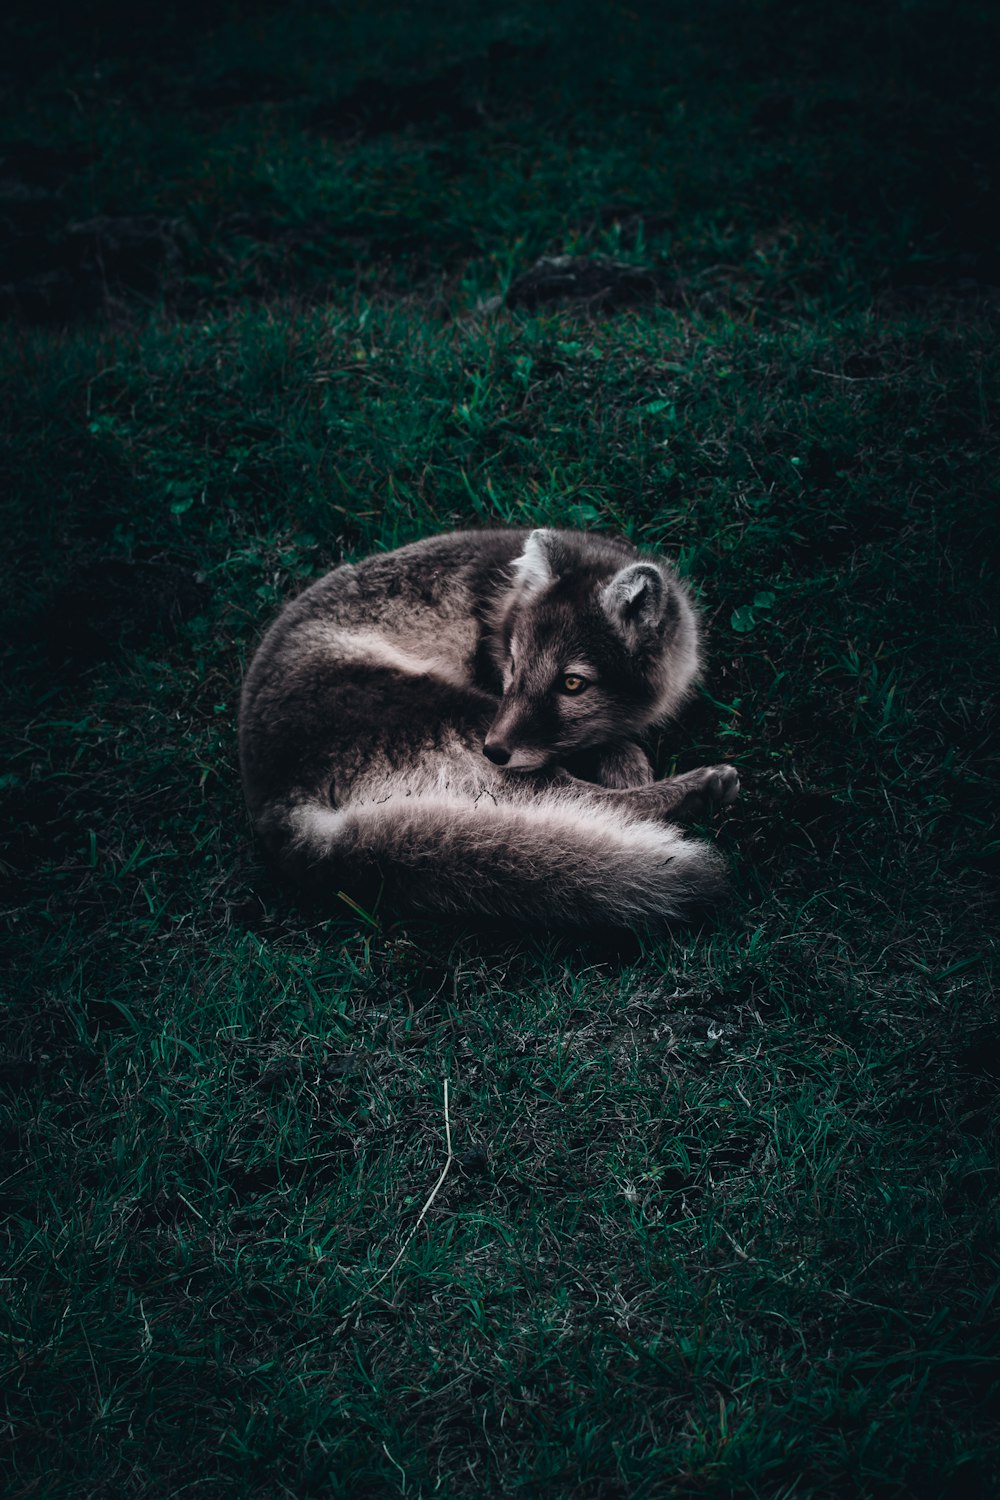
x=558 y=860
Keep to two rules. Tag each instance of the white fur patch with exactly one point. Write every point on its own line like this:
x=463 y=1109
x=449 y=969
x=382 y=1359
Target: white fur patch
x=527 y=760
x=485 y=818
x=367 y=648
x=564 y=812
x=315 y=826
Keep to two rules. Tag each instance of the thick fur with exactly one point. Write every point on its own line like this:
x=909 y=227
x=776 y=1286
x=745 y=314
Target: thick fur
x=369 y=705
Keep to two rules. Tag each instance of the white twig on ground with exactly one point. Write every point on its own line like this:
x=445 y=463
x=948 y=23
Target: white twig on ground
x=449 y=1158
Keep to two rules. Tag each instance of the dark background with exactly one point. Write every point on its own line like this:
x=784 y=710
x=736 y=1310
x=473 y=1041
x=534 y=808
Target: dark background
x=277 y=288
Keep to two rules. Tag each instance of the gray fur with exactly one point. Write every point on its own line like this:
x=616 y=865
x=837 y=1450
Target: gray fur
x=371 y=699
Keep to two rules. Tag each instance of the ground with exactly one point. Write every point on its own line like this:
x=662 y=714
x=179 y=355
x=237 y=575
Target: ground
x=720 y=1211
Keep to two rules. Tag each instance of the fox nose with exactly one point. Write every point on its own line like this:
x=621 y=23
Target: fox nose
x=498 y=754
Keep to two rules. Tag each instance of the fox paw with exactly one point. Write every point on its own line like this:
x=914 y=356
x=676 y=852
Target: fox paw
x=698 y=794
x=722 y=786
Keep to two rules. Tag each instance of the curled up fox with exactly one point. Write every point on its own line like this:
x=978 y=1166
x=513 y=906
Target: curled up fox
x=455 y=726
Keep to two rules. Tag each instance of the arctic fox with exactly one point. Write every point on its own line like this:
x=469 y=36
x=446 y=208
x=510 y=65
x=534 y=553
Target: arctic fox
x=454 y=724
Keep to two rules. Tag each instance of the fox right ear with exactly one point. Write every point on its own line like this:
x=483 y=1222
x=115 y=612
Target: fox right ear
x=638 y=601
x=534 y=570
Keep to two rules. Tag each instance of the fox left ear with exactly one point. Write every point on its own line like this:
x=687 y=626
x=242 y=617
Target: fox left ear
x=538 y=564
x=638 y=601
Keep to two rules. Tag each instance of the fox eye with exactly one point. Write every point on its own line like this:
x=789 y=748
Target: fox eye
x=573 y=684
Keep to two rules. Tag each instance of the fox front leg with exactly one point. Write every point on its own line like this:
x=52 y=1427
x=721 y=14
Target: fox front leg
x=693 y=794
x=624 y=766
x=678 y=799
x=621 y=767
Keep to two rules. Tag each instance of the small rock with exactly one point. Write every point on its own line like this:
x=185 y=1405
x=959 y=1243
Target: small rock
x=600 y=282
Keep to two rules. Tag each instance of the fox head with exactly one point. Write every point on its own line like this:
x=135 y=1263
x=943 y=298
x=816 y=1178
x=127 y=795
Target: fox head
x=592 y=646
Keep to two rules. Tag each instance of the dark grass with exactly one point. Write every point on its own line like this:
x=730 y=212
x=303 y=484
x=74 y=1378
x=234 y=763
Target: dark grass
x=722 y=1214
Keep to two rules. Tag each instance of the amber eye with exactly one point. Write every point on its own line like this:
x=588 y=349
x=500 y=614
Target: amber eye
x=573 y=684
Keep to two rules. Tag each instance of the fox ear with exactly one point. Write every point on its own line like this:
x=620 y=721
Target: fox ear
x=536 y=568
x=638 y=601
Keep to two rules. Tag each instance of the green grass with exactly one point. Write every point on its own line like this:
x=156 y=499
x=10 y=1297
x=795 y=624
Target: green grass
x=721 y=1215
